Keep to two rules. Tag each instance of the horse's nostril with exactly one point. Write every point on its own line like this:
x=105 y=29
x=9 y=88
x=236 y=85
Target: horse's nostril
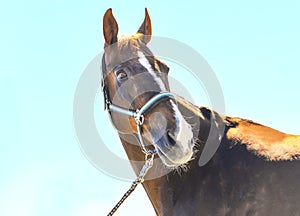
x=171 y=139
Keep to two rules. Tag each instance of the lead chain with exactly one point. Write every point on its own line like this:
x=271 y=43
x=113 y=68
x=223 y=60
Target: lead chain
x=140 y=179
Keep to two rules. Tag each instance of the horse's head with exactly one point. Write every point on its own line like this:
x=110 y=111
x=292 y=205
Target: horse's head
x=132 y=76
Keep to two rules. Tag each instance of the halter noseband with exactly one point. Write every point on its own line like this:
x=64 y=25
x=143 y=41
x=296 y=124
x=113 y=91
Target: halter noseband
x=139 y=114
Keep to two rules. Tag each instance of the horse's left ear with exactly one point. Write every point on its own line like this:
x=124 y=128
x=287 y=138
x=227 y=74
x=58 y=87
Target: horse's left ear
x=146 y=28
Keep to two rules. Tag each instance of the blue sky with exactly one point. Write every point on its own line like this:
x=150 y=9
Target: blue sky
x=253 y=47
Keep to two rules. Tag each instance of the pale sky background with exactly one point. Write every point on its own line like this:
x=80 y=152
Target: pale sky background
x=253 y=47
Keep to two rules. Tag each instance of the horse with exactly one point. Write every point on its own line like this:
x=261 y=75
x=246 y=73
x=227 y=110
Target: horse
x=255 y=170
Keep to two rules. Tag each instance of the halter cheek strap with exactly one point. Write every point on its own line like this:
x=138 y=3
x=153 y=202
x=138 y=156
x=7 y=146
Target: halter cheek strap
x=139 y=114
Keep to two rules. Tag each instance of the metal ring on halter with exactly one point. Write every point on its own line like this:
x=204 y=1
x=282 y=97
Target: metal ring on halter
x=150 y=157
x=139 y=118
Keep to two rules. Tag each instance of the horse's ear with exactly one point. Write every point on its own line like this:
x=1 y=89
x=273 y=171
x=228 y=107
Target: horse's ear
x=146 y=28
x=110 y=28
x=162 y=66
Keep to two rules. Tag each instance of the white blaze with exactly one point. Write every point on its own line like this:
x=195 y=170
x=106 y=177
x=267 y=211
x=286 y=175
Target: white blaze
x=183 y=133
x=144 y=61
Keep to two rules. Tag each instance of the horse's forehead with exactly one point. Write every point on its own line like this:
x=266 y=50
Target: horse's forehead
x=123 y=51
x=114 y=57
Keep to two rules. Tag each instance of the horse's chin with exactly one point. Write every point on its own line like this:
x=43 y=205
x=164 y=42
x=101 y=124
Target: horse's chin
x=169 y=162
x=174 y=156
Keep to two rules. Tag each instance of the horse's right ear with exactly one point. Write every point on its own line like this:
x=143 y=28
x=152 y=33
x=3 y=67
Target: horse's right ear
x=110 y=28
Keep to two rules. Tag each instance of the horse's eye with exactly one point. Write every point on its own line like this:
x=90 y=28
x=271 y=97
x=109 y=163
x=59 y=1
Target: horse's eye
x=121 y=75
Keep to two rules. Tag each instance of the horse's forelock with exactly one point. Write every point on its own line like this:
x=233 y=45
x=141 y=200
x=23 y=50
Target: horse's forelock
x=127 y=48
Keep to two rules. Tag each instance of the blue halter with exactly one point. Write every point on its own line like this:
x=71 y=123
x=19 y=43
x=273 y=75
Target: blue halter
x=139 y=114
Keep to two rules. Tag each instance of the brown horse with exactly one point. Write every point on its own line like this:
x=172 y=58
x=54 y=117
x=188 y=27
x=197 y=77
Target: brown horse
x=255 y=171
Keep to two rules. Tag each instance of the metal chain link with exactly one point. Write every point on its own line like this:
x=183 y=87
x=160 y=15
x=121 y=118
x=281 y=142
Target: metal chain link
x=125 y=196
x=140 y=179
